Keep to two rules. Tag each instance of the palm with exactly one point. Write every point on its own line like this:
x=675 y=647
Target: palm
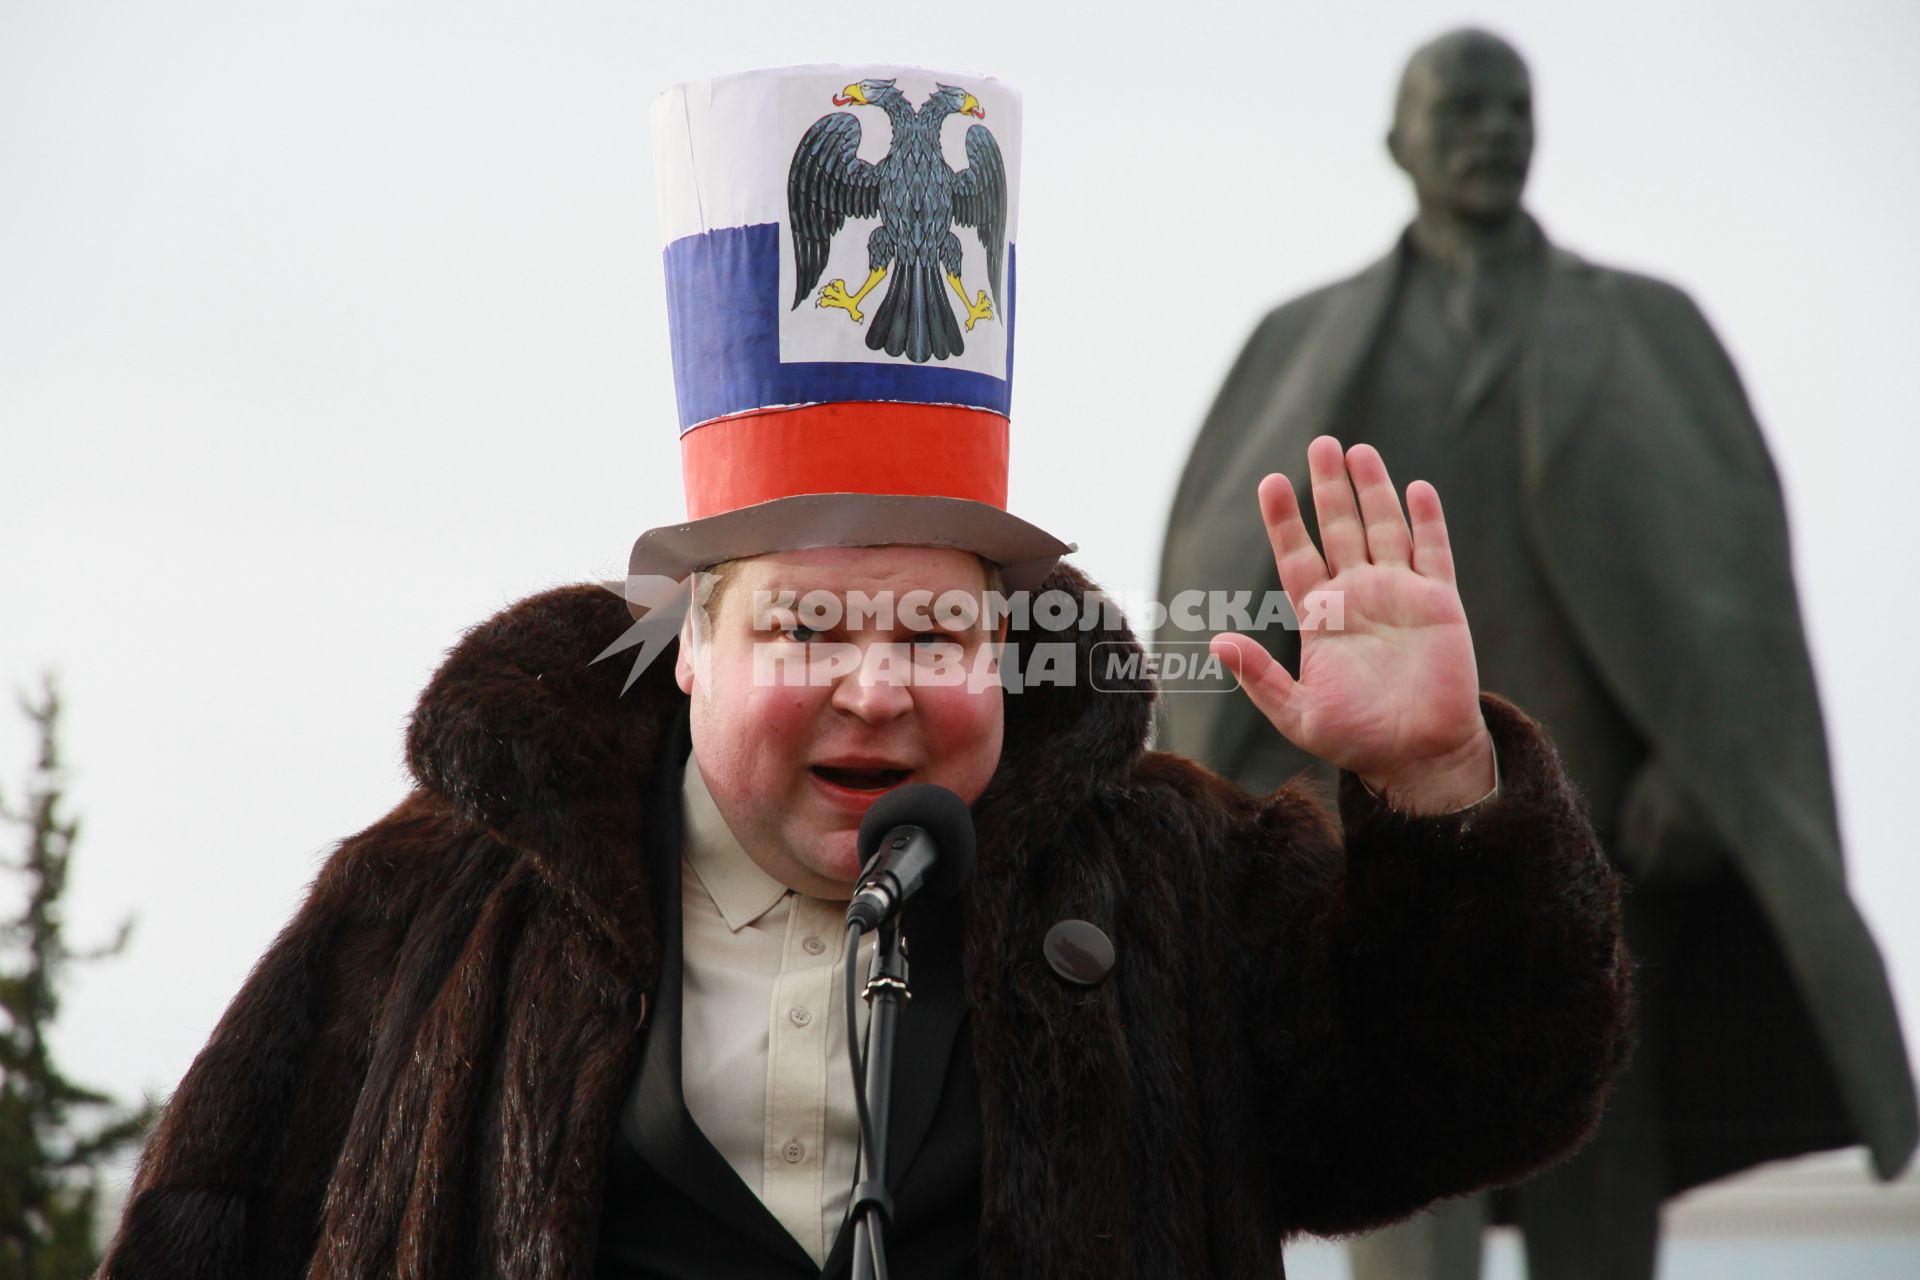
x=1395 y=682
x=1389 y=682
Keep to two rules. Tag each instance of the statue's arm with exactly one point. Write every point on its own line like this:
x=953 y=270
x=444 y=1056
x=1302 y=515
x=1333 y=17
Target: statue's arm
x=1698 y=368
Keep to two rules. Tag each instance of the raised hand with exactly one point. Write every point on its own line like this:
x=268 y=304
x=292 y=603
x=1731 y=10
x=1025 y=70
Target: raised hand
x=1392 y=694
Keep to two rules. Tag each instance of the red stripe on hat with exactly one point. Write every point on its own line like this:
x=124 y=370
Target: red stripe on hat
x=857 y=447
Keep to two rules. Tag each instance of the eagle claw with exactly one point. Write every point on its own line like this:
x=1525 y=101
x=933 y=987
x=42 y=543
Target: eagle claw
x=834 y=294
x=980 y=309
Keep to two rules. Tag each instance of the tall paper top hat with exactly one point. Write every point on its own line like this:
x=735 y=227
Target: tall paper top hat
x=840 y=292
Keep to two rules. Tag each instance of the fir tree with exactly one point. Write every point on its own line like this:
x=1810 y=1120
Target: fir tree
x=49 y=1164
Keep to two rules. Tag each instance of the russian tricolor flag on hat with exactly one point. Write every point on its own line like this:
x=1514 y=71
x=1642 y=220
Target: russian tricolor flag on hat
x=840 y=289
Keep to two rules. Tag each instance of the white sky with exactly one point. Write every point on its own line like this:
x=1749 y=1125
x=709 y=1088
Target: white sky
x=326 y=330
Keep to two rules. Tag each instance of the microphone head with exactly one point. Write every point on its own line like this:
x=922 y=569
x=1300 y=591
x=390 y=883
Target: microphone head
x=942 y=814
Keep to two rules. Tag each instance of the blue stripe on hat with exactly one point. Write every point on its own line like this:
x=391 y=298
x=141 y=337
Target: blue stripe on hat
x=723 y=309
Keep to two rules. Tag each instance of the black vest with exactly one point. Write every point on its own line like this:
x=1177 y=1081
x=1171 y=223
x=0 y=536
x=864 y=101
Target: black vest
x=680 y=1212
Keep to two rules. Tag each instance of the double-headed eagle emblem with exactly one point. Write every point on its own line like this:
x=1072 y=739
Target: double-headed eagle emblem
x=918 y=198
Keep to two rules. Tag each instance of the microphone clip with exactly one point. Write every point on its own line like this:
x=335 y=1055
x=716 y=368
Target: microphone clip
x=888 y=982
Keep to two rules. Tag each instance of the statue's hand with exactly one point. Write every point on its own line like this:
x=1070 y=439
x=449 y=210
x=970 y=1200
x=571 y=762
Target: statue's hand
x=1388 y=688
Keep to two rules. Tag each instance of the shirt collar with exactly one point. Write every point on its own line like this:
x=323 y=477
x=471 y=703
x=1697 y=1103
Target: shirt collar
x=739 y=888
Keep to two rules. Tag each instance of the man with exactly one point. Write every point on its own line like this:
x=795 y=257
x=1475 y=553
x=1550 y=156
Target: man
x=1626 y=570
x=424 y=1075
x=568 y=1009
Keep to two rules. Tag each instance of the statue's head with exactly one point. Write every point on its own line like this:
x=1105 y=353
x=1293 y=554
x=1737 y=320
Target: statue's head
x=1463 y=126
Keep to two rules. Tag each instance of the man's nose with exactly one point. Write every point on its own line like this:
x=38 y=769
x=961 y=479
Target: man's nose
x=878 y=690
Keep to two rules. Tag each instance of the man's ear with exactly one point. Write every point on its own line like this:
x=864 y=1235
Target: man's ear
x=683 y=657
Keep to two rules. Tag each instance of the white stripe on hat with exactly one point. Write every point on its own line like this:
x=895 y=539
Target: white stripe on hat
x=719 y=155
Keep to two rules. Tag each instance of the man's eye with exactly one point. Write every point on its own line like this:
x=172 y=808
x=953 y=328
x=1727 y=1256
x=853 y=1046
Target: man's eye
x=800 y=633
x=925 y=638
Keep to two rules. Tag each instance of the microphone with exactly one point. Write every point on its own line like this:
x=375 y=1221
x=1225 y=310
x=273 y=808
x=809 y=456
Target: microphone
x=916 y=839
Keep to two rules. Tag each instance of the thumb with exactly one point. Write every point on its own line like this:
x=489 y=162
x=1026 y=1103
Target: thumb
x=1271 y=687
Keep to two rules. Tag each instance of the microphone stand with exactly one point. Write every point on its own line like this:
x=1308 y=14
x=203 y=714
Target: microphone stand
x=872 y=1206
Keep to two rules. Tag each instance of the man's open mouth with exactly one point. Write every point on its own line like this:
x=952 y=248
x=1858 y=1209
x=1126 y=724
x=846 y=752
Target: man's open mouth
x=861 y=779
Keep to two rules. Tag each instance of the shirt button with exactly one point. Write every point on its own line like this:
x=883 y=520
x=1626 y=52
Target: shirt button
x=814 y=946
x=800 y=1017
x=793 y=1152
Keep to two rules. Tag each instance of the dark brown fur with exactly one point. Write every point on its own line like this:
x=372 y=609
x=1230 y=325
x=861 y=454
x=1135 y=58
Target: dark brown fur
x=420 y=1077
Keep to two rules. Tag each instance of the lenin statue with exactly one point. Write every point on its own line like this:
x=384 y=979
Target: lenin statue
x=1625 y=570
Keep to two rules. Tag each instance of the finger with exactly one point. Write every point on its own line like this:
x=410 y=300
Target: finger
x=1341 y=534
x=1432 y=552
x=1267 y=683
x=1299 y=562
x=1388 y=541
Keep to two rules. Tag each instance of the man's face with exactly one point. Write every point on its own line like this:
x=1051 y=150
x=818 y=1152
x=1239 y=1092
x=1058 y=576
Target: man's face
x=1463 y=129
x=796 y=740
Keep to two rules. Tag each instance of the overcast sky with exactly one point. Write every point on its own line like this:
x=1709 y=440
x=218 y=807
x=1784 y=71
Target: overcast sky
x=326 y=330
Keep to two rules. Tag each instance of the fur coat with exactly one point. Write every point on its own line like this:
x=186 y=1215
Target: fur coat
x=421 y=1075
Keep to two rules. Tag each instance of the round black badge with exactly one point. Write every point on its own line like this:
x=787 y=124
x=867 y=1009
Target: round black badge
x=1079 y=952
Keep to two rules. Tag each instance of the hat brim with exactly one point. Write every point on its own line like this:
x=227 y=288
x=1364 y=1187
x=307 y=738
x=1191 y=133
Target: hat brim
x=1025 y=553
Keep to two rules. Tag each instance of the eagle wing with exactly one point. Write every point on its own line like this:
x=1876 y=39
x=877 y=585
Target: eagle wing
x=980 y=200
x=827 y=183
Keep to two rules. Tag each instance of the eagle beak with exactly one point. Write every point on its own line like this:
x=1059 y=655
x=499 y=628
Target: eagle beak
x=852 y=95
x=973 y=108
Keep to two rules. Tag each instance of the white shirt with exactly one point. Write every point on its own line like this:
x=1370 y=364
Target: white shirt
x=763 y=1041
